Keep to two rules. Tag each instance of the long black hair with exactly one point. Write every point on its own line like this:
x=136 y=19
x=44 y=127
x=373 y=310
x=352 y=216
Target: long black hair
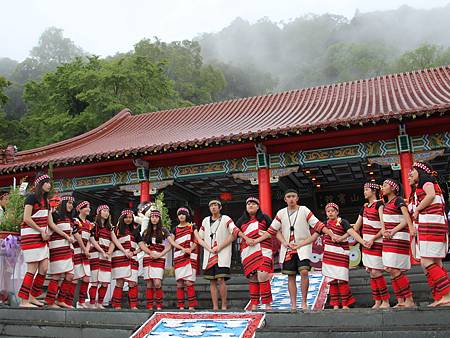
x=398 y=193
x=433 y=178
x=424 y=176
x=260 y=217
x=107 y=224
x=42 y=195
x=122 y=226
x=149 y=233
x=62 y=210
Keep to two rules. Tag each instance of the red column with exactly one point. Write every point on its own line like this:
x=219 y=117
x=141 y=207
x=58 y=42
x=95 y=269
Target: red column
x=197 y=219
x=265 y=193
x=406 y=161
x=145 y=191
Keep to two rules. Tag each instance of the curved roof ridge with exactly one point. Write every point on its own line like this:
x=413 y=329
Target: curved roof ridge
x=124 y=113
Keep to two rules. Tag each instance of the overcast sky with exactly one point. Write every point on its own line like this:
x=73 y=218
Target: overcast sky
x=104 y=27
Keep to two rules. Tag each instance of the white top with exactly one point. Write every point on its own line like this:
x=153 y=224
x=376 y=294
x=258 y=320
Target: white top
x=220 y=230
x=302 y=220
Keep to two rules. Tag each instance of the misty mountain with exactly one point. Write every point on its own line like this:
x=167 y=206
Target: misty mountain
x=304 y=51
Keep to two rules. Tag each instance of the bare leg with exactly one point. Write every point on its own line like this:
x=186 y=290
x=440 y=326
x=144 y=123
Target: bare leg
x=292 y=287
x=223 y=292
x=304 y=287
x=214 y=298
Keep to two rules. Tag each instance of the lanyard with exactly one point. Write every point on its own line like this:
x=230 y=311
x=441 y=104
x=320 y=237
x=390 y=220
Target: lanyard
x=213 y=233
x=291 y=225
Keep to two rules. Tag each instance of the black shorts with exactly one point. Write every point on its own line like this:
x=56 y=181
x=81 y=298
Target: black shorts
x=216 y=272
x=295 y=265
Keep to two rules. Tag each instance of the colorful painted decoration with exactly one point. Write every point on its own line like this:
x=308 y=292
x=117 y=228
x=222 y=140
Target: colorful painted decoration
x=200 y=324
x=317 y=293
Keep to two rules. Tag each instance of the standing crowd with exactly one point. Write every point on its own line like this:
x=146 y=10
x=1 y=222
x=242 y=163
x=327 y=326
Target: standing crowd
x=58 y=240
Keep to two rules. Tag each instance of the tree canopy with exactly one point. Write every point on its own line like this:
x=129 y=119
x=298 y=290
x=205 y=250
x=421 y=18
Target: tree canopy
x=61 y=91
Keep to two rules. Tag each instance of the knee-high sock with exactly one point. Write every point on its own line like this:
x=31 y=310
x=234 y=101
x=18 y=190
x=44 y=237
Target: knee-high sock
x=27 y=284
x=159 y=297
x=345 y=293
x=149 y=296
x=375 y=292
x=52 y=290
x=439 y=279
x=180 y=297
x=334 y=293
x=434 y=293
x=102 y=293
x=83 y=292
x=63 y=290
x=93 y=294
x=266 y=292
x=116 y=300
x=382 y=287
x=253 y=287
x=401 y=286
x=70 y=294
x=133 y=296
x=38 y=283
x=192 y=299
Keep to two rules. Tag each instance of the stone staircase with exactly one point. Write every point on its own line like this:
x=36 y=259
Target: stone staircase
x=15 y=322
x=421 y=322
x=358 y=322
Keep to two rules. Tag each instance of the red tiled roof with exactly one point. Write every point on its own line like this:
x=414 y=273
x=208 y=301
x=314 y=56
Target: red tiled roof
x=362 y=101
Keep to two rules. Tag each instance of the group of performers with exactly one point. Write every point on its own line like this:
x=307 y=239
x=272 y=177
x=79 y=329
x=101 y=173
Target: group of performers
x=58 y=239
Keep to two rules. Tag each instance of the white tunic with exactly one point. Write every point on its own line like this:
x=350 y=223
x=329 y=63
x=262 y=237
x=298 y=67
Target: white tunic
x=220 y=229
x=302 y=221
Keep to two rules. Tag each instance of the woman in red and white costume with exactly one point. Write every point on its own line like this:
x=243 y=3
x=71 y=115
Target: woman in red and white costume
x=61 y=256
x=432 y=230
x=34 y=234
x=256 y=253
x=369 y=220
x=81 y=248
x=395 y=222
x=336 y=257
x=125 y=265
x=184 y=258
x=152 y=243
x=100 y=261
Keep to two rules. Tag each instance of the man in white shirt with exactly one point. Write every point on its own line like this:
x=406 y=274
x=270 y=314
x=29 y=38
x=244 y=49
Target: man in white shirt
x=216 y=235
x=292 y=227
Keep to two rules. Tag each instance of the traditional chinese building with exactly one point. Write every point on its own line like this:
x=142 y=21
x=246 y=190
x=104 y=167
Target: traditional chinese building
x=324 y=141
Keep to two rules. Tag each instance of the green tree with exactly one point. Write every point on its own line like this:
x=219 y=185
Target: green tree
x=183 y=64
x=3 y=84
x=425 y=56
x=244 y=81
x=351 y=61
x=80 y=95
x=10 y=131
x=7 y=67
x=54 y=49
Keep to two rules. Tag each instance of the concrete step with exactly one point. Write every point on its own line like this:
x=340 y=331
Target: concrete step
x=418 y=322
x=69 y=323
x=238 y=289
